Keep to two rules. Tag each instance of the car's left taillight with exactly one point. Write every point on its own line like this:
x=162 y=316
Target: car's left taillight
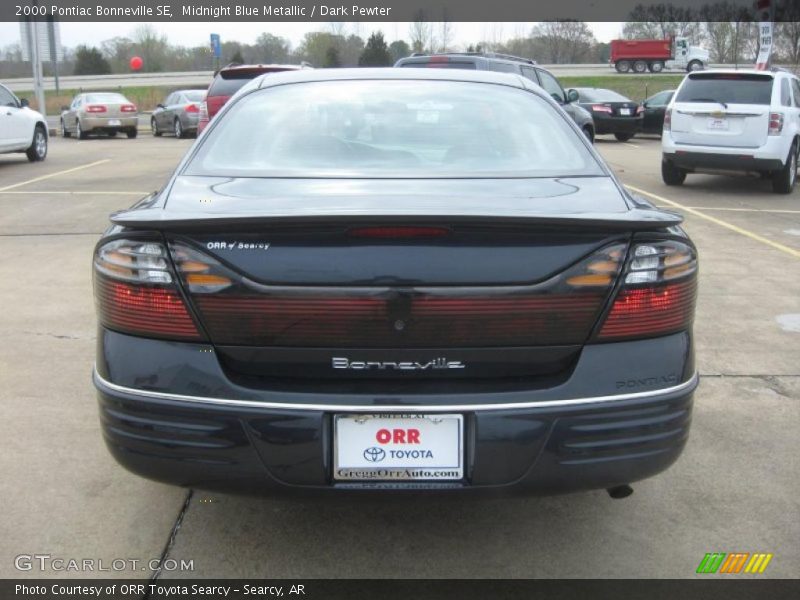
x=194 y=107
x=775 y=123
x=657 y=293
x=136 y=291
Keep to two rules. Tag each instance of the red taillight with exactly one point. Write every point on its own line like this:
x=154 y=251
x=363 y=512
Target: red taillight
x=398 y=232
x=237 y=311
x=438 y=62
x=775 y=123
x=601 y=108
x=667 y=119
x=136 y=292
x=128 y=108
x=96 y=108
x=192 y=108
x=214 y=104
x=650 y=311
x=143 y=310
x=658 y=293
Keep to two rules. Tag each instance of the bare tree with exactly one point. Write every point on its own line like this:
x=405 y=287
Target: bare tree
x=788 y=32
x=419 y=33
x=447 y=33
x=565 y=41
x=662 y=21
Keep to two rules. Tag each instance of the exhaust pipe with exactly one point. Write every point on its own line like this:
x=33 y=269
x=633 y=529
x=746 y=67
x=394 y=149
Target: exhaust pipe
x=620 y=491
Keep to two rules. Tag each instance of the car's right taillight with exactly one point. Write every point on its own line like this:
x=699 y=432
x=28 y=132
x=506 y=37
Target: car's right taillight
x=657 y=292
x=602 y=108
x=775 y=123
x=667 y=119
x=136 y=291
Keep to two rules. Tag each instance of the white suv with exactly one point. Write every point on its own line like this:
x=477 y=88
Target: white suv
x=745 y=121
x=21 y=129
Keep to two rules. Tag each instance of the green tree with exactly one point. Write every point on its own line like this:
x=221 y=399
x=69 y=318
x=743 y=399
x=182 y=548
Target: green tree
x=399 y=49
x=237 y=57
x=89 y=61
x=332 y=58
x=376 y=52
x=152 y=46
x=272 y=48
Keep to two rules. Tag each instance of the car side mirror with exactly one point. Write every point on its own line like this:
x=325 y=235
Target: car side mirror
x=646 y=104
x=573 y=95
x=557 y=98
x=64 y=108
x=23 y=102
x=160 y=106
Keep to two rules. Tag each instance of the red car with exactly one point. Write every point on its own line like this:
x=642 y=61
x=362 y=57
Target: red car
x=228 y=81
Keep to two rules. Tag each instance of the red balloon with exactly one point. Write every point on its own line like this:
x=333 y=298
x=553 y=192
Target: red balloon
x=136 y=63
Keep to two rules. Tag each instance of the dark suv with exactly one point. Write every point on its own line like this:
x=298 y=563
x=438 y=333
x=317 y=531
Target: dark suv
x=505 y=63
x=228 y=80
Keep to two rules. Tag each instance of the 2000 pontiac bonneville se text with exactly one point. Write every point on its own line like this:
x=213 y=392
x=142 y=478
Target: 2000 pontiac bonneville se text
x=395 y=279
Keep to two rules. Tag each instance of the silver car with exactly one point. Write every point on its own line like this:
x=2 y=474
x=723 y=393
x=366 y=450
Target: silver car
x=178 y=113
x=99 y=112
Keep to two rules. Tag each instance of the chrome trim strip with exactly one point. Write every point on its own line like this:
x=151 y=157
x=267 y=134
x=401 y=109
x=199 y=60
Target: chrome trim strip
x=349 y=408
x=714 y=113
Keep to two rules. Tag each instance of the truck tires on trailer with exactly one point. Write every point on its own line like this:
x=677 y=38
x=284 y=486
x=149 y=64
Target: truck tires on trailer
x=623 y=66
x=640 y=66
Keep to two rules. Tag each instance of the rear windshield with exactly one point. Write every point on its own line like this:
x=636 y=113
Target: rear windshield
x=413 y=129
x=195 y=95
x=444 y=64
x=601 y=96
x=727 y=88
x=107 y=98
x=227 y=83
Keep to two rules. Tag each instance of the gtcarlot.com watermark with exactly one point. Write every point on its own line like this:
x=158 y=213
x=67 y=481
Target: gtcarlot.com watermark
x=47 y=562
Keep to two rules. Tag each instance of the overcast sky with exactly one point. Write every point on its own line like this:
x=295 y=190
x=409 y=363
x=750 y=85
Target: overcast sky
x=196 y=34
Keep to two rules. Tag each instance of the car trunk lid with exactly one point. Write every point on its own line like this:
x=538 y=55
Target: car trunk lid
x=397 y=279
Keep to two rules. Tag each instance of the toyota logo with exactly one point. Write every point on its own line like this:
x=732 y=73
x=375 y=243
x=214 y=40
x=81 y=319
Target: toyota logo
x=374 y=454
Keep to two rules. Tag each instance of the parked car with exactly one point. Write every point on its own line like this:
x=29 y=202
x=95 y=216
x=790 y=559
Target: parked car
x=653 y=109
x=99 y=112
x=612 y=112
x=227 y=82
x=506 y=63
x=740 y=121
x=178 y=113
x=21 y=128
x=363 y=280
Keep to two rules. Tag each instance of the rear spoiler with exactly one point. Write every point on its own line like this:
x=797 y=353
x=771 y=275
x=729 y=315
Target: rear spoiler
x=636 y=219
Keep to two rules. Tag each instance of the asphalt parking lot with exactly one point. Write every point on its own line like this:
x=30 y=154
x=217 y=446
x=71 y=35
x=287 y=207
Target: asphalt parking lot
x=735 y=489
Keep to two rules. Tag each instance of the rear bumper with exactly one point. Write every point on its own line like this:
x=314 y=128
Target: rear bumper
x=604 y=125
x=724 y=162
x=104 y=123
x=210 y=433
x=768 y=157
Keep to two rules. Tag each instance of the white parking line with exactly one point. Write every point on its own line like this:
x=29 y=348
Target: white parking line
x=757 y=210
x=631 y=145
x=720 y=222
x=77 y=193
x=56 y=174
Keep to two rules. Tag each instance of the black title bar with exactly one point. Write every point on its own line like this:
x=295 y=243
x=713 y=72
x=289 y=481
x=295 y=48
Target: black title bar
x=392 y=10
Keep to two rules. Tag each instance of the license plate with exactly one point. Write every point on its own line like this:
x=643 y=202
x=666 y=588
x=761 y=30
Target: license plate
x=718 y=124
x=114 y=122
x=398 y=447
x=625 y=111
